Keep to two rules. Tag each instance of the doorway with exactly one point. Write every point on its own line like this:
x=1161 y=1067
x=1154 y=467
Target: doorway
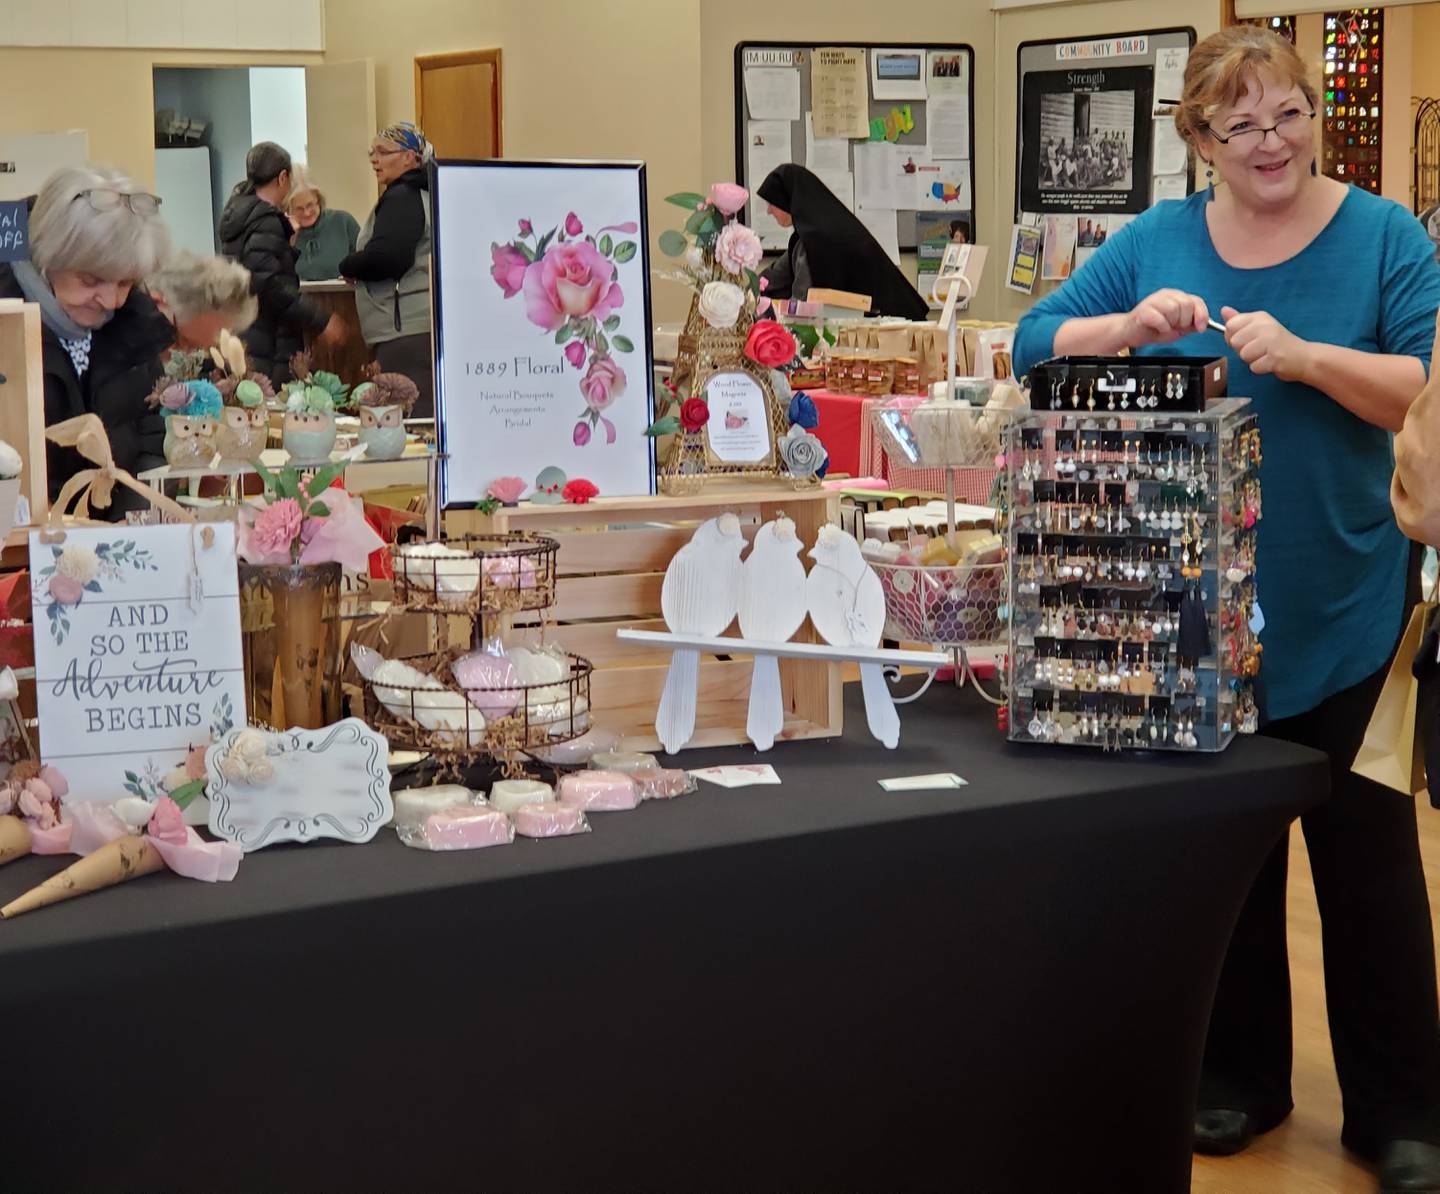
x=458 y=103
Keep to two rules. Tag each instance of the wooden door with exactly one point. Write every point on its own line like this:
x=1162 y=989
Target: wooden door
x=340 y=120
x=457 y=103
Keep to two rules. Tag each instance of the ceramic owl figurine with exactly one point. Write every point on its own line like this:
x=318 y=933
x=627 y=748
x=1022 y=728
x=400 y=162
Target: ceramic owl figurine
x=245 y=422
x=190 y=440
x=384 y=400
x=311 y=401
x=191 y=407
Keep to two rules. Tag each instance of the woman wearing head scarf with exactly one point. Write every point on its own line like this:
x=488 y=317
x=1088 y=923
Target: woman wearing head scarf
x=256 y=233
x=391 y=262
x=94 y=235
x=830 y=248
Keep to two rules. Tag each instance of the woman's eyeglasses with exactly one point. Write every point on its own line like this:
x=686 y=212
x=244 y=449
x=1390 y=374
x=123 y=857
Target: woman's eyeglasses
x=1288 y=126
x=377 y=152
x=141 y=203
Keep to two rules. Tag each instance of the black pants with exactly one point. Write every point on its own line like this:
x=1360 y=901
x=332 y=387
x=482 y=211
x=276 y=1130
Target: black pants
x=411 y=356
x=1379 y=954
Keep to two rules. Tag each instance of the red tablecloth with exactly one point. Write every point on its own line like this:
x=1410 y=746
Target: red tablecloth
x=854 y=449
x=841 y=418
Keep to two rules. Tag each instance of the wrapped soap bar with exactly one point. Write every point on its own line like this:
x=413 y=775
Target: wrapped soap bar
x=628 y=762
x=463 y=827
x=581 y=749
x=491 y=682
x=600 y=791
x=663 y=783
x=413 y=805
x=550 y=820
x=450 y=573
x=508 y=795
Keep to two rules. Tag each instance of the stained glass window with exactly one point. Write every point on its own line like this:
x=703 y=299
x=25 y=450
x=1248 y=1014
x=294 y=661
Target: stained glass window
x=1354 y=45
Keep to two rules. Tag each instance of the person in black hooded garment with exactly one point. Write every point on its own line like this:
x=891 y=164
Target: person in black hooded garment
x=831 y=248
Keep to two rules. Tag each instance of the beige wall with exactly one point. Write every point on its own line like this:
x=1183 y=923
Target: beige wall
x=1425 y=61
x=581 y=79
x=109 y=93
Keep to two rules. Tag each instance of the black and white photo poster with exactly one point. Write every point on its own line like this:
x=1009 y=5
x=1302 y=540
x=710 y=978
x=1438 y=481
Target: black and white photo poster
x=1086 y=140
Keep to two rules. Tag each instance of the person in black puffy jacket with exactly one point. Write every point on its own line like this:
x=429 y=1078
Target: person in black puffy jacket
x=256 y=233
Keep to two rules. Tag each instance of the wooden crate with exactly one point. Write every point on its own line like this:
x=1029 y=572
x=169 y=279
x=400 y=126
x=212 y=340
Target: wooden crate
x=612 y=560
x=22 y=402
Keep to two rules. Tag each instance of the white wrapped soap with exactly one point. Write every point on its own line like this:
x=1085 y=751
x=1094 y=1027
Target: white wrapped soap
x=413 y=805
x=509 y=795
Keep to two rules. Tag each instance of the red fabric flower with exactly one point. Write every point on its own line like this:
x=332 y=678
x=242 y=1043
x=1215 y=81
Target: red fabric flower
x=769 y=344
x=579 y=491
x=694 y=414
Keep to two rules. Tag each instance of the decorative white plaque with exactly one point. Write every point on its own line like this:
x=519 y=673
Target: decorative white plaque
x=137 y=651
x=303 y=785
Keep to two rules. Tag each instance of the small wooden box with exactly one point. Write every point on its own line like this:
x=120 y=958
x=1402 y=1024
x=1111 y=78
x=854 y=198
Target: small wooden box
x=611 y=564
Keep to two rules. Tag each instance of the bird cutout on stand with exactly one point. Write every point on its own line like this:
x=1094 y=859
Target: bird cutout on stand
x=700 y=595
x=772 y=608
x=847 y=606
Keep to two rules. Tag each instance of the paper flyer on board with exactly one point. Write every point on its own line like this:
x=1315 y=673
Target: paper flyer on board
x=839 y=92
x=1024 y=265
x=772 y=93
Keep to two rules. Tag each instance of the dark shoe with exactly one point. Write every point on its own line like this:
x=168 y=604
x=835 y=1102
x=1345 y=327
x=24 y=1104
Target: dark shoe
x=1410 y=1167
x=1222 y=1133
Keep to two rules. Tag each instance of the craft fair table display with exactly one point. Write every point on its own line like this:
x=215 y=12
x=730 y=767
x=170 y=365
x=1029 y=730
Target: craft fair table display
x=1031 y=956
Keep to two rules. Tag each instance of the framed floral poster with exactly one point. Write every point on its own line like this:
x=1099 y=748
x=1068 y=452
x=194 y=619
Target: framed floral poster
x=541 y=284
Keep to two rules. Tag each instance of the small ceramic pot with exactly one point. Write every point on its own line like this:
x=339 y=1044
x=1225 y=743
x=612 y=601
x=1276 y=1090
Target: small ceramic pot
x=243 y=434
x=382 y=431
x=190 y=441
x=309 y=435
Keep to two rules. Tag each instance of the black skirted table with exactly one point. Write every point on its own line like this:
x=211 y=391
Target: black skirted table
x=815 y=986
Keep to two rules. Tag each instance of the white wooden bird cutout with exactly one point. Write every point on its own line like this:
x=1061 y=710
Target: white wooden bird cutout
x=700 y=595
x=847 y=606
x=772 y=608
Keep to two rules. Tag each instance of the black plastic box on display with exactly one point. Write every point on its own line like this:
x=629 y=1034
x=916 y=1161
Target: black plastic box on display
x=1148 y=383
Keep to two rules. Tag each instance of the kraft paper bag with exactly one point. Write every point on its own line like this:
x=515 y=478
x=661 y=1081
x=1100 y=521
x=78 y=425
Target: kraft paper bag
x=1392 y=753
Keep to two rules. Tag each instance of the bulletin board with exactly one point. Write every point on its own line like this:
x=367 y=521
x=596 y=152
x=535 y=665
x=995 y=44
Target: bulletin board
x=915 y=163
x=1096 y=143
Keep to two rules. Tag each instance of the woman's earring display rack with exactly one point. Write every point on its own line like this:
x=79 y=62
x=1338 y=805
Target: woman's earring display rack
x=1133 y=621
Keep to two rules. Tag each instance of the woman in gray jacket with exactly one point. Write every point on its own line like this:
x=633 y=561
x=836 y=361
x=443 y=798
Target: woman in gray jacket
x=391 y=263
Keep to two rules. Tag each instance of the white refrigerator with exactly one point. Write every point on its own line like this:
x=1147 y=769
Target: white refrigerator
x=182 y=180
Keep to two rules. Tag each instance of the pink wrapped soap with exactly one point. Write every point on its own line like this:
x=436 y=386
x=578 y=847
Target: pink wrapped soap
x=490 y=682
x=552 y=819
x=662 y=783
x=464 y=827
x=599 y=791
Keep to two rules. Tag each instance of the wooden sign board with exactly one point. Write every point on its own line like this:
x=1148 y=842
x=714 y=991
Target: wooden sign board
x=137 y=651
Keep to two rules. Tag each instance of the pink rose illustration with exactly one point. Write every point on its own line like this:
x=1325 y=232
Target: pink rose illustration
x=603 y=382
x=575 y=353
x=526 y=228
x=573 y=226
x=729 y=197
x=167 y=823
x=572 y=281
x=507 y=267
x=66 y=590
x=581 y=434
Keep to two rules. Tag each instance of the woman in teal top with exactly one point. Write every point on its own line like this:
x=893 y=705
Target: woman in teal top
x=1328 y=296
x=323 y=235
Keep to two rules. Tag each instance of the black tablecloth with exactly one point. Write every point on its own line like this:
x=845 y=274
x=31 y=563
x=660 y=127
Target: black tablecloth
x=814 y=986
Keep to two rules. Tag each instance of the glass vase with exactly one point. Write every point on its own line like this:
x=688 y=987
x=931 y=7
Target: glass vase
x=290 y=630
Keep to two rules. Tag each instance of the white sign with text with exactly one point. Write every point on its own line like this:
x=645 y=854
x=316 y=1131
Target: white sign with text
x=137 y=651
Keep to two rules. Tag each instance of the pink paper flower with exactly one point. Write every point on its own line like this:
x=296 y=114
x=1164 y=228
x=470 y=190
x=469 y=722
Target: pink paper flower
x=66 y=590
x=603 y=382
x=572 y=280
x=507 y=267
x=573 y=226
x=36 y=804
x=575 y=353
x=737 y=248
x=729 y=197
x=167 y=823
x=579 y=491
x=276 y=528
x=9 y=794
x=506 y=489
